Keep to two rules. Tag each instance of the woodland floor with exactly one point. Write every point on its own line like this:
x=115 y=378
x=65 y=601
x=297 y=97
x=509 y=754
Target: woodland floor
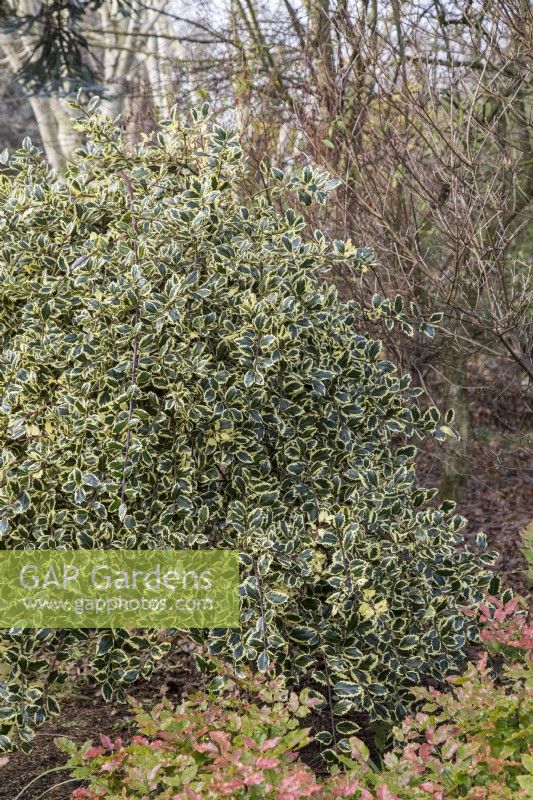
x=499 y=500
x=499 y=496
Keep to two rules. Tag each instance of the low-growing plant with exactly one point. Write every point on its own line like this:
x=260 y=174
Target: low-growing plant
x=240 y=739
x=175 y=374
x=505 y=628
x=476 y=741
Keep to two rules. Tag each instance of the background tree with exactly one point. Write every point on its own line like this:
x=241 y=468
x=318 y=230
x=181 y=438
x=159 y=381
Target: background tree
x=122 y=51
x=424 y=113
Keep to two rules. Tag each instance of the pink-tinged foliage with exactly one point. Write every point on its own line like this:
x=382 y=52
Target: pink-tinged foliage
x=299 y=783
x=384 y=793
x=106 y=742
x=221 y=739
x=503 y=626
x=255 y=779
x=270 y=743
x=470 y=743
x=108 y=766
x=267 y=763
x=241 y=740
x=93 y=752
x=432 y=789
x=226 y=788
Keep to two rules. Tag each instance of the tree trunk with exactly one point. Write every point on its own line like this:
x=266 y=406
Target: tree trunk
x=322 y=49
x=119 y=50
x=51 y=116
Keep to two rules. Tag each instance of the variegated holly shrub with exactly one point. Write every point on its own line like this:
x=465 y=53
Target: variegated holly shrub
x=176 y=374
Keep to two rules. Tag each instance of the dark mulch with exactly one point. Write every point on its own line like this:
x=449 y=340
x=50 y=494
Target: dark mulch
x=502 y=507
x=499 y=496
x=83 y=716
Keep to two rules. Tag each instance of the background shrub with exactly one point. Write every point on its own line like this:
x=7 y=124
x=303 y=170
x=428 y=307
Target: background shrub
x=174 y=374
